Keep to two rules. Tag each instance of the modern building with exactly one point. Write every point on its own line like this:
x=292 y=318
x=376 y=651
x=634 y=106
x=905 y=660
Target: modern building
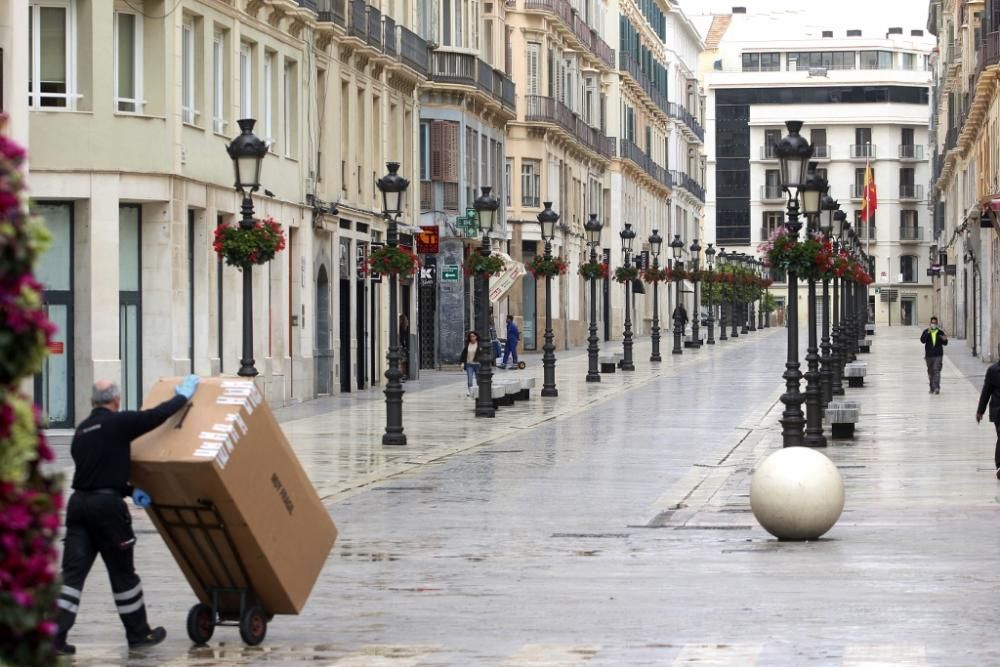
x=863 y=97
x=965 y=184
x=131 y=108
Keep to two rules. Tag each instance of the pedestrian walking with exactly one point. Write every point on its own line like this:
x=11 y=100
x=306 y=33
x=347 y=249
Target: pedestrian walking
x=97 y=519
x=991 y=396
x=681 y=312
x=934 y=340
x=468 y=359
x=513 y=337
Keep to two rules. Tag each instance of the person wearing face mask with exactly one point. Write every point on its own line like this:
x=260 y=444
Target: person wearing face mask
x=934 y=340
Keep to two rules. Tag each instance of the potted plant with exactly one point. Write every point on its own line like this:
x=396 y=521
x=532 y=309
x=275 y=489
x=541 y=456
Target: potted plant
x=242 y=248
x=593 y=270
x=489 y=265
x=541 y=266
x=655 y=275
x=398 y=261
x=624 y=274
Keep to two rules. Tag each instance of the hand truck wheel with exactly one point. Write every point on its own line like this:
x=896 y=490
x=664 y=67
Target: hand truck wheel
x=520 y=365
x=200 y=623
x=253 y=626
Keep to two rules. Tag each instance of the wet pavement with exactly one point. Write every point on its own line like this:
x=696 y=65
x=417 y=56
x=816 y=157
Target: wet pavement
x=611 y=526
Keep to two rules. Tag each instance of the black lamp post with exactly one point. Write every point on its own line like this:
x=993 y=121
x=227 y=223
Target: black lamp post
x=393 y=187
x=593 y=230
x=655 y=244
x=812 y=197
x=836 y=384
x=677 y=249
x=710 y=264
x=830 y=208
x=723 y=263
x=793 y=153
x=548 y=219
x=695 y=317
x=486 y=206
x=759 y=265
x=745 y=324
x=735 y=261
x=751 y=264
x=247 y=153
x=627 y=236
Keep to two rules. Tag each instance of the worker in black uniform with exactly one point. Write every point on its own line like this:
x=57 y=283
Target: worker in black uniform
x=97 y=519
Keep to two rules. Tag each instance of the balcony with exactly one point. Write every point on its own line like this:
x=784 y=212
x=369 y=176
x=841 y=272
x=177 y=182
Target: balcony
x=767 y=152
x=539 y=109
x=630 y=151
x=374 y=34
x=911 y=234
x=390 y=37
x=863 y=151
x=468 y=70
x=628 y=64
x=574 y=23
x=682 y=180
x=413 y=51
x=821 y=152
x=678 y=112
x=530 y=201
x=989 y=52
x=911 y=152
x=910 y=191
x=333 y=11
x=357 y=25
x=771 y=193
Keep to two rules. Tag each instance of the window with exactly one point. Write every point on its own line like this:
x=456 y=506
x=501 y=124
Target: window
x=51 y=58
x=876 y=60
x=908 y=268
x=508 y=181
x=817 y=137
x=864 y=231
x=772 y=184
x=534 y=51
x=908 y=219
x=269 y=99
x=530 y=182
x=761 y=62
x=771 y=139
x=246 y=81
x=188 y=110
x=772 y=220
x=909 y=61
x=289 y=96
x=128 y=62
x=425 y=151
x=859 y=182
x=806 y=60
x=219 y=83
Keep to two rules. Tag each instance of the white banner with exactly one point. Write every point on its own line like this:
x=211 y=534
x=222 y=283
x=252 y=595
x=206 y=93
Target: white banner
x=501 y=283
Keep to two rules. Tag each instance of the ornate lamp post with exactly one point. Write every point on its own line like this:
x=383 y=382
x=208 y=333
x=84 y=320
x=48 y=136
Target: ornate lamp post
x=735 y=261
x=593 y=229
x=677 y=249
x=393 y=187
x=723 y=263
x=710 y=264
x=695 y=312
x=793 y=153
x=548 y=219
x=655 y=244
x=247 y=153
x=627 y=236
x=836 y=385
x=486 y=206
x=830 y=208
x=759 y=264
x=812 y=196
x=745 y=325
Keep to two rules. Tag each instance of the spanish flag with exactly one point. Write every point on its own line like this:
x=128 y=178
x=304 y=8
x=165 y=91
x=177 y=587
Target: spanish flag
x=869 y=198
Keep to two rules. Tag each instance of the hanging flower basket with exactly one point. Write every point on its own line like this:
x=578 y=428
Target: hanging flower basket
x=490 y=265
x=593 y=271
x=540 y=266
x=245 y=247
x=393 y=261
x=678 y=274
x=809 y=258
x=655 y=275
x=624 y=274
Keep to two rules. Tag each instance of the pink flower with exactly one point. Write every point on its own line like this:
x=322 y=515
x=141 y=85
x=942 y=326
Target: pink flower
x=16 y=517
x=23 y=598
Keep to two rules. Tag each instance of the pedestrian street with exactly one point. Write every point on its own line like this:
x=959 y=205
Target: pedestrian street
x=611 y=526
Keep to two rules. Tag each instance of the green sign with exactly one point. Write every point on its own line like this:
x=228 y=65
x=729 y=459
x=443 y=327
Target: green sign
x=449 y=272
x=877 y=290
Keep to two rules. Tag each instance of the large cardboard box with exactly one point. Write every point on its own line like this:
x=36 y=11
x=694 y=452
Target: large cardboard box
x=230 y=498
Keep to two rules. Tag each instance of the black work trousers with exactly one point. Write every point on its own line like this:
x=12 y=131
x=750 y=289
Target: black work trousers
x=996 y=452
x=100 y=523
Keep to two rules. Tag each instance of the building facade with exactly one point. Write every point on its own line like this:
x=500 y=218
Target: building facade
x=862 y=99
x=965 y=184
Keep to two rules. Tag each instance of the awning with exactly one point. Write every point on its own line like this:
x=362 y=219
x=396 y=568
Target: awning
x=500 y=284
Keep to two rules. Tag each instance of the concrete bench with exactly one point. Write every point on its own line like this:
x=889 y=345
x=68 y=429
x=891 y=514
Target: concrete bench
x=869 y=329
x=843 y=415
x=865 y=346
x=503 y=391
x=690 y=341
x=855 y=373
x=619 y=357
x=608 y=363
x=527 y=384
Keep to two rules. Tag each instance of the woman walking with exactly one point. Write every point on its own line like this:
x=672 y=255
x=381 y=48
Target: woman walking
x=468 y=359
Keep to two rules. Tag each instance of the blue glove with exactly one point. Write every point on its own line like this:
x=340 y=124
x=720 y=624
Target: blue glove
x=141 y=498
x=187 y=386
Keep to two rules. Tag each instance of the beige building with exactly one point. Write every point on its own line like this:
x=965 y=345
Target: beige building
x=131 y=107
x=965 y=185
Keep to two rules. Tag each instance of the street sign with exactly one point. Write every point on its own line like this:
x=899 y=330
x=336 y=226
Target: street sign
x=950 y=269
x=450 y=272
x=427 y=240
x=428 y=272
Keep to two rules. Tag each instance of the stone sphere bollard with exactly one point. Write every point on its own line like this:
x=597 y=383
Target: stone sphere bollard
x=797 y=494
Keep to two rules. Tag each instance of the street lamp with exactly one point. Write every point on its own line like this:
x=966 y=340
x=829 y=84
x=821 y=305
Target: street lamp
x=593 y=229
x=723 y=263
x=695 y=316
x=793 y=153
x=812 y=198
x=746 y=326
x=627 y=235
x=547 y=219
x=710 y=264
x=736 y=262
x=655 y=244
x=759 y=264
x=486 y=206
x=247 y=153
x=393 y=187
x=830 y=208
x=840 y=226
x=677 y=249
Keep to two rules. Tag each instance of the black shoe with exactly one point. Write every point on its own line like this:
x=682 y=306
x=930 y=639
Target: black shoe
x=155 y=636
x=62 y=648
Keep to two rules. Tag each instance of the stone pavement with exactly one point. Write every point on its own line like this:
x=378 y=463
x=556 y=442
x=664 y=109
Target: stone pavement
x=611 y=527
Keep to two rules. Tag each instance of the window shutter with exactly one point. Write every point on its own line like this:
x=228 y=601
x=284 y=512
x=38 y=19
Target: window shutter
x=533 y=50
x=437 y=150
x=450 y=152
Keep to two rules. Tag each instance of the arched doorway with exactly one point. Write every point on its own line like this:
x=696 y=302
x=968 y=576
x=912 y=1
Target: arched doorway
x=322 y=353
